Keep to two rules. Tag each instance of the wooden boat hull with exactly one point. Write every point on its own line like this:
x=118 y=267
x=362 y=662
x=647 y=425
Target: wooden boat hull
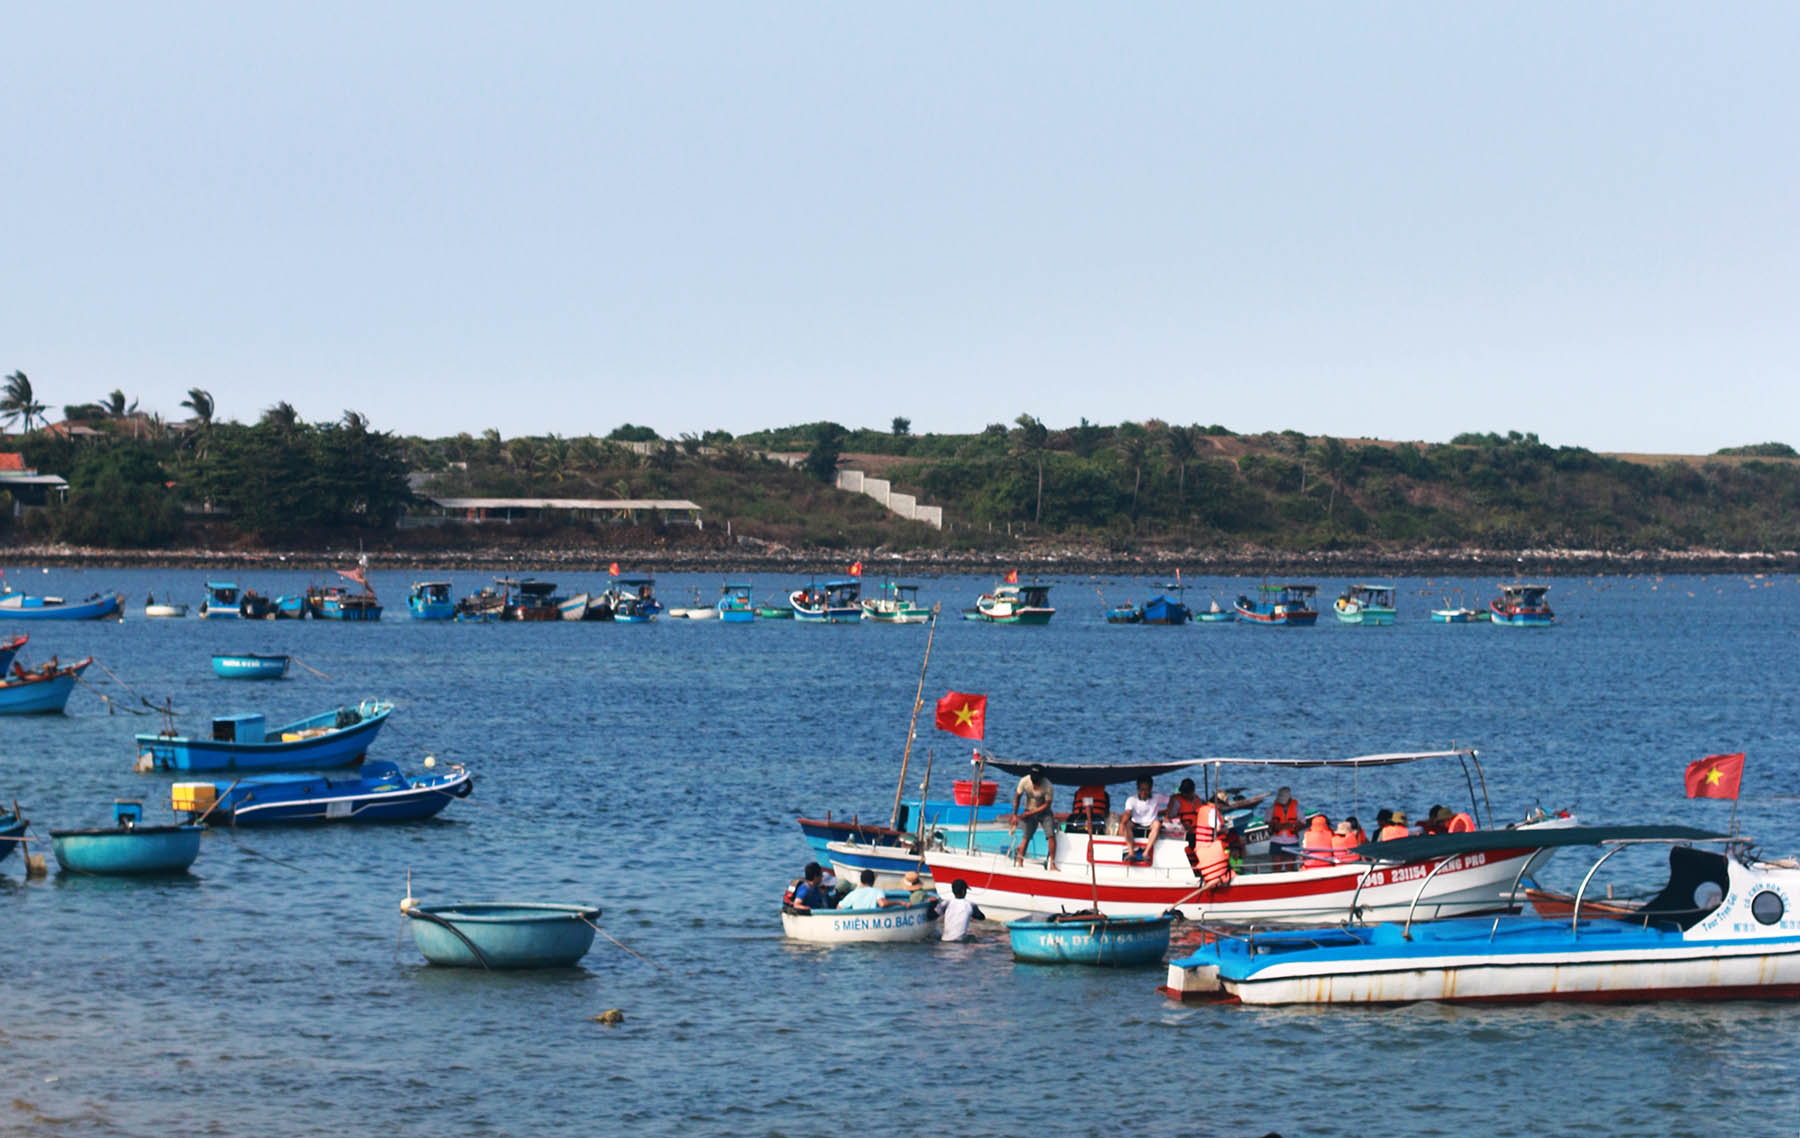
x=144 y=851
x=250 y=667
x=1119 y=942
x=40 y=694
x=378 y=793
x=18 y=606
x=504 y=934
x=896 y=925
x=575 y=608
x=338 y=747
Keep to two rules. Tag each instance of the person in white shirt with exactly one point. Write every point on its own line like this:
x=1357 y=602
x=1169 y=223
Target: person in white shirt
x=959 y=910
x=1143 y=811
x=866 y=896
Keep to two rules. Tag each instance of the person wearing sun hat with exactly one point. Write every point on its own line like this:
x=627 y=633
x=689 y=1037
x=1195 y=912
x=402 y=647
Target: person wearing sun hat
x=1344 y=842
x=915 y=886
x=1396 y=827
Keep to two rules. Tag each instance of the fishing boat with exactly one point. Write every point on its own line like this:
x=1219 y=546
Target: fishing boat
x=735 y=605
x=254 y=606
x=1013 y=604
x=528 y=599
x=1089 y=938
x=1522 y=606
x=895 y=603
x=481 y=607
x=775 y=610
x=633 y=600
x=1215 y=614
x=835 y=602
x=1092 y=870
x=1370 y=605
x=128 y=847
x=333 y=602
x=40 y=691
x=889 y=862
x=894 y=924
x=250 y=667
x=12 y=831
x=9 y=648
x=1723 y=927
x=22 y=606
x=1457 y=613
x=377 y=792
x=166 y=610
x=336 y=738
x=502 y=934
x=1280 y=605
x=221 y=601
x=430 y=600
x=574 y=608
x=291 y=606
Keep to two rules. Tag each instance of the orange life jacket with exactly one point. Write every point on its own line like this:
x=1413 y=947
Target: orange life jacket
x=1343 y=847
x=1187 y=808
x=1461 y=823
x=1284 y=818
x=1317 y=843
x=1390 y=832
x=1212 y=861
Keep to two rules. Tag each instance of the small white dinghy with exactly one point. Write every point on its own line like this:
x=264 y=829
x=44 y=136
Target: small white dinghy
x=894 y=924
x=163 y=610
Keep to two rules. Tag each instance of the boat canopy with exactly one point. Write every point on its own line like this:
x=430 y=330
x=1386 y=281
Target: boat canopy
x=730 y=585
x=636 y=582
x=1430 y=847
x=431 y=584
x=1087 y=774
x=1527 y=590
x=843 y=584
x=1383 y=760
x=222 y=585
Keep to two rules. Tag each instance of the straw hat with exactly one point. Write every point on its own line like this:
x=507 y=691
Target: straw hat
x=1398 y=818
x=1344 y=828
x=912 y=880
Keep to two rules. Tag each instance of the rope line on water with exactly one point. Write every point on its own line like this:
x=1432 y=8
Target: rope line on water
x=259 y=853
x=309 y=667
x=624 y=946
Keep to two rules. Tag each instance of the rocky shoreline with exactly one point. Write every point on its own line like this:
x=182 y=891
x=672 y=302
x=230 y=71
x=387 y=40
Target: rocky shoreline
x=1071 y=559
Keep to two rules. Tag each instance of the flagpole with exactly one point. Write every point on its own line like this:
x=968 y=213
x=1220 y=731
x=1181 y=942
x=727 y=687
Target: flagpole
x=913 y=727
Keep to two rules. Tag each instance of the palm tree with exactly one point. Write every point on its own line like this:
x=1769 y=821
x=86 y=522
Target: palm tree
x=283 y=417
x=1031 y=441
x=1182 y=444
x=115 y=407
x=200 y=402
x=1132 y=443
x=19 y=404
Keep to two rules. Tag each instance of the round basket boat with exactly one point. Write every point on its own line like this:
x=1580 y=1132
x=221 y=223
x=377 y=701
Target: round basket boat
x=118 y=851
x=503 y=934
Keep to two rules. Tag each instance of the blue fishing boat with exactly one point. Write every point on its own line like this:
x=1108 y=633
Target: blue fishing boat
x=291 y=606
x=127 y=848
x=1156 y=610
x=1369 y=605
x=484 y=605
x=377 y=792
x=250 y=667
x=1522 y=606
x=1723 y=927
x=22 y=606
x=502 y=934
x=40 y=691
x=336 y=738
x=735 y=604
x=1215 y=614
x=633 y=600
x=431 y=600
x=835 y=602
x=1089 y=938
x=12 y=832
x=9 y=649
x=1290 y=605
x=333 y=602
x=221 y=601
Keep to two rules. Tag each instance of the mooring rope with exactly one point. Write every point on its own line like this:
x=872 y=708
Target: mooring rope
x=309 y=667
x=259 y=853
x=624 y=946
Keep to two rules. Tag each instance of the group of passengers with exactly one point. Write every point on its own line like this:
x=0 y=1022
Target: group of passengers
x=1321 y=843
x=818 y=889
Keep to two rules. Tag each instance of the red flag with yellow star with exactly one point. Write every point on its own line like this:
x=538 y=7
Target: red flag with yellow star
x=1715 y=776
x=962 y=714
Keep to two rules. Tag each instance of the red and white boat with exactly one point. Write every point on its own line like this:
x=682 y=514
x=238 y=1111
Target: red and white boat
x=1091 y=871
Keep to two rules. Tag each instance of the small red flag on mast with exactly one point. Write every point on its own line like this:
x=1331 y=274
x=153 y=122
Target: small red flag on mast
x=1715 y=776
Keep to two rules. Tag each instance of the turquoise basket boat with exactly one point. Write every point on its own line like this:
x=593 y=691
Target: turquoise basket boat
x=503 y=934
x=127 y=849
x=250 y=667
x=1089 y=938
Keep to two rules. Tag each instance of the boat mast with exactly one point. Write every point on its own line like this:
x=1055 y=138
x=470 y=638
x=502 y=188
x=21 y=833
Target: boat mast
x=912 y=728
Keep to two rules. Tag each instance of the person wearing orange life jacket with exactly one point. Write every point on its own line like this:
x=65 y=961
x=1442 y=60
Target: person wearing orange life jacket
x=1184 y=808
x=1396 y=828
x=1284 y=825
x=1212 y=861
x=1344 y=842
x=1461 y=823
x=1316 y=844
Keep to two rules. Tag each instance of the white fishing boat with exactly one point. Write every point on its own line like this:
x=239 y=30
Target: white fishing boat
x=1724 y=927
x=163 y=610
x=575 y=607
x=894 y=924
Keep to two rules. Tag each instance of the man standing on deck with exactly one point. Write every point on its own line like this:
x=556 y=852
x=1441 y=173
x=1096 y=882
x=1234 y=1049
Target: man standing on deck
x=1035 y=793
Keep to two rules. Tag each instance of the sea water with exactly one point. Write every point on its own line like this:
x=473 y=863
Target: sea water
x=657 y=771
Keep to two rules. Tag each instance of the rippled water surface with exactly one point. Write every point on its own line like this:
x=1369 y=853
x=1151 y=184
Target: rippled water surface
x=657 y=771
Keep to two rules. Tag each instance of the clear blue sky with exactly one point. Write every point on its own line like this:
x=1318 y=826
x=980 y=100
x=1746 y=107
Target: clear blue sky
x=1350 y=219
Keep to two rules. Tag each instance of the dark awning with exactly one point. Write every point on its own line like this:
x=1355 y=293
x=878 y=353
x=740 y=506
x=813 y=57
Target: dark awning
x=1090 y=774
x=1450 y=845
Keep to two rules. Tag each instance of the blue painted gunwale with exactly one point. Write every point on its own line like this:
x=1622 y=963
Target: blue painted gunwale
x=339 y=747
x=379 y=792
x=40 y=693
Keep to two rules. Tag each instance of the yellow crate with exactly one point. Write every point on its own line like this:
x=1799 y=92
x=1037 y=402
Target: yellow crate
x=188 y=796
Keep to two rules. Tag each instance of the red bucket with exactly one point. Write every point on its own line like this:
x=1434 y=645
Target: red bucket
x=964 y=790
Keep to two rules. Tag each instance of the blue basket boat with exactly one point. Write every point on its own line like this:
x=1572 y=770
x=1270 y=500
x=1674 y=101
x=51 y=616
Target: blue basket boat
x=378 y=792
x=336 y=738
x=250 y=667
x=22 y=606
x=44 y=691
x=127 y=848
x=1090 y=938
x=503 y=934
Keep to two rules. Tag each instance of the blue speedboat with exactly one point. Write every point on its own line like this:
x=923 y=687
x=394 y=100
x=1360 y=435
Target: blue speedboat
x=43 y=691
x=1722 y=927
x=377 y=792
x=835 y=602
x=222 y=602
x=1089 y=938
x=127 y=848
x=336 y=738
x=22 y=606
x=1522 y=606
x=735 y=604
x=502 y=934
x=250 y=667
x=431 y=600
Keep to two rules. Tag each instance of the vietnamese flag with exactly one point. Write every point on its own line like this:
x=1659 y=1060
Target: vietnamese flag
x=1012 y=576
x=1715 y=776
x=856 y=569
x=613 y=569
x=962 y=714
